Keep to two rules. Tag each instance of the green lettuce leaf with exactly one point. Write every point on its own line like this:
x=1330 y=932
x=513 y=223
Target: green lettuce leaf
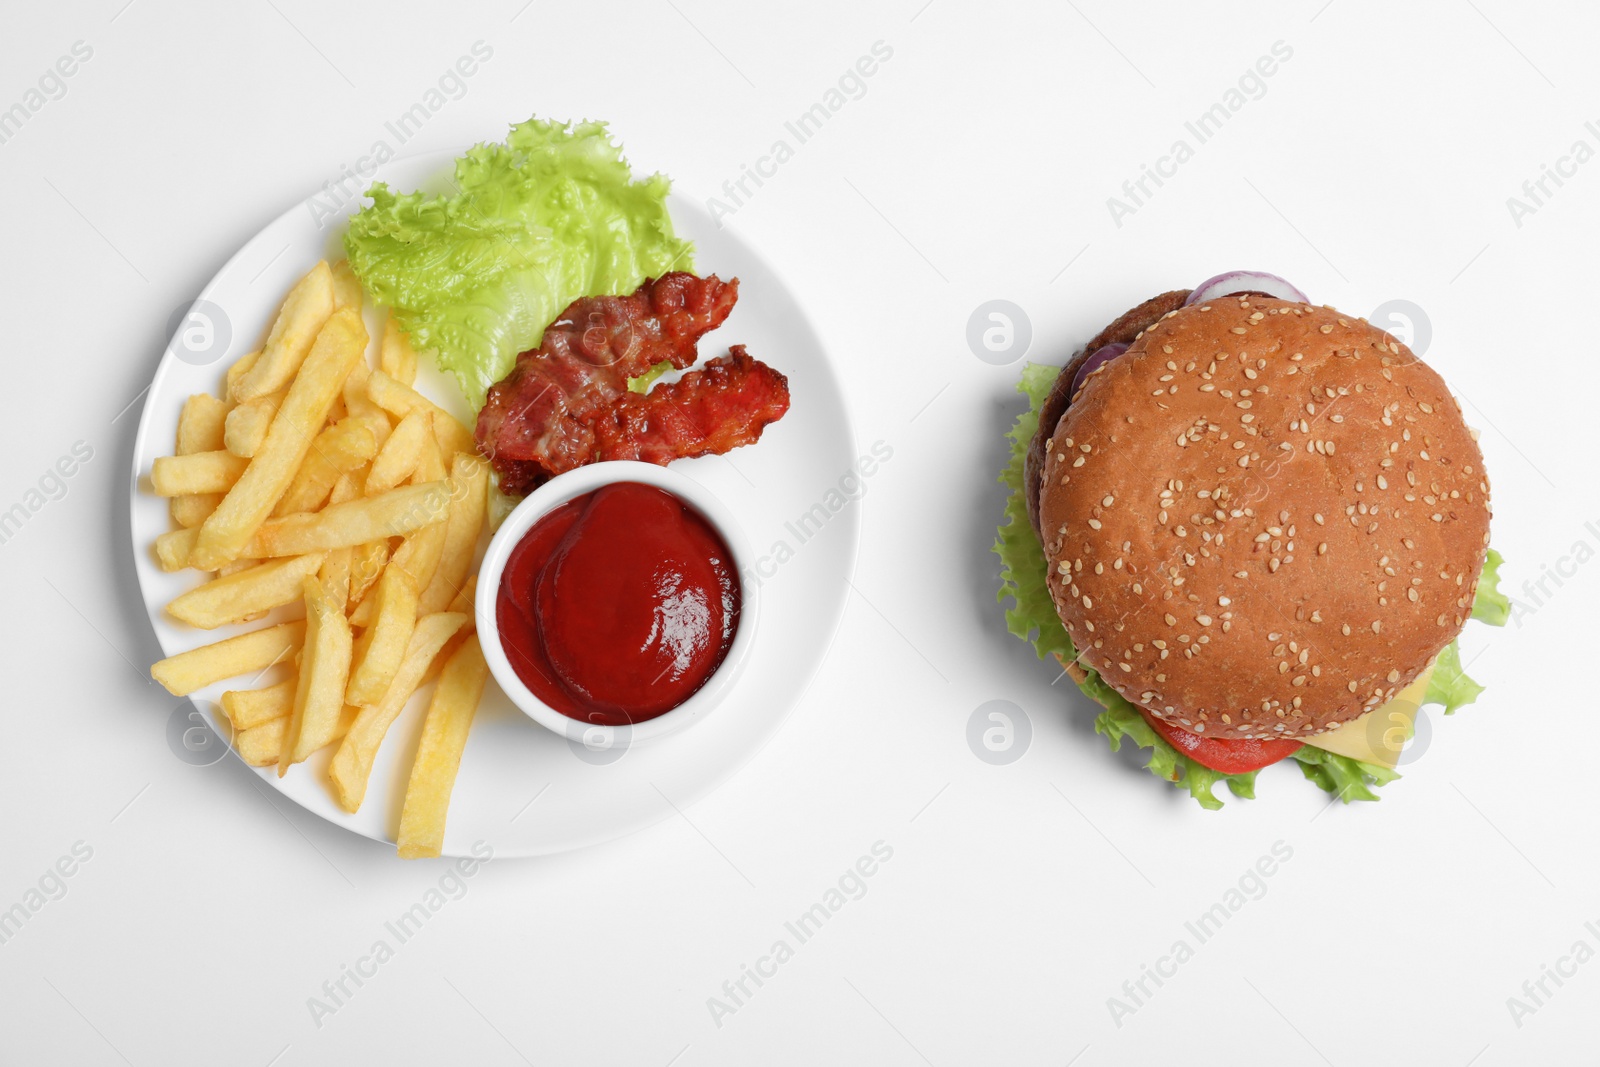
x=550 y=215
x=1490 y=605
x=1031 y=616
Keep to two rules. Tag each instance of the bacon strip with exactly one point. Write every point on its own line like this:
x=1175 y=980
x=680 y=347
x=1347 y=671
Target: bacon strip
x=709 y=411
x=566 y=403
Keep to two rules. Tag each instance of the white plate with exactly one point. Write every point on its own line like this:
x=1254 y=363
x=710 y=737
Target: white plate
x=583 y=797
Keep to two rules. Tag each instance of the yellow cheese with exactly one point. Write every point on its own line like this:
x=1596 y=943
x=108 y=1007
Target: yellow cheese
x=1381 y=734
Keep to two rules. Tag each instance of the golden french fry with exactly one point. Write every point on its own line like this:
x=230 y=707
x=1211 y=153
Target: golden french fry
x=392 y=514
x=236 y=373
x=198 y=472
x=224 y=535
x=340 y=448
x=347 y=292
x=261 y=745
x=430 y=463
x=242 y=594
x=255 y=651
x=200 y=424
x=444 y=736
x=382 y=645
x=248 y=423
x=397 y=460
x=335 y=577
x=400 y=400
x=246 y=708
x=397 y=358
x=352 y=763
x=469 y=502
x=305 y=310
x=173 y=548
x=367 y=563
x=324 y=672
x=192 y=509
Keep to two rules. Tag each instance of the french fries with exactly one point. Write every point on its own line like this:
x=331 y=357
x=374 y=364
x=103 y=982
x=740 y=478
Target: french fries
x=248 y=422
x=260 y=746
x=397 y=358
x=200 y=424
x=469 y=503
x=383 y=643
x=246 y=708
x=321 y=479
x=400 y=400
x=397 y=460
x=444 y=736
x=198 y=472
x=339 y=449
x=352 y=763
x=240 y=595
x=337 y=348
x=324 y=672
x=299 y=323
x=392 y=514
x=255 y=651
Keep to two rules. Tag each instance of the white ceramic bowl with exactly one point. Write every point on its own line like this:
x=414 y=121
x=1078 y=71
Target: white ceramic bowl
x=547 y=498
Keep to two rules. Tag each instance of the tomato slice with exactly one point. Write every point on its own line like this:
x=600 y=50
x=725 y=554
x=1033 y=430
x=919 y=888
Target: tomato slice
x=1228 y=755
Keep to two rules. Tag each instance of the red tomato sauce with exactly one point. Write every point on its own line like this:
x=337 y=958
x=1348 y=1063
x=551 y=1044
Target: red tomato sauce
x=1228 y=755
x=618 y=605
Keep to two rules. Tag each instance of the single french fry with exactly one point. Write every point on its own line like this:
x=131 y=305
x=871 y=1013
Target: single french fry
x=261 y=745
x=397 y=460
x=236 y=373
x=198 y=472
x=324 y=672
x=392 y=514
x=469 y=503
x=400 y=400
x=431 y=466
x=192 y=509
x=305 y=310
x=255 y=651
x=247 y=505
x=246 y=708
x=247 y=423
x=240 y=595
x=383 y=644
x=172 y=548
x=200 y=424
x=352 y=763
x=340 y=448
x=444 y=737
x=367 y=564
x=397 y=358
x=347 y=292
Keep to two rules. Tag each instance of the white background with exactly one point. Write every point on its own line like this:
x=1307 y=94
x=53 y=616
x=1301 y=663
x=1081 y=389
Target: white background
x=1375 y=166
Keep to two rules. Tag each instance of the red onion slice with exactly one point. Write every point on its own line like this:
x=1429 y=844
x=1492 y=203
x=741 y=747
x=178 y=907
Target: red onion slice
x=1103 y=354
x=1245 y=281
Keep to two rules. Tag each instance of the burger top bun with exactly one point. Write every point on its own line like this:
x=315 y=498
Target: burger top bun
x=1262 y=520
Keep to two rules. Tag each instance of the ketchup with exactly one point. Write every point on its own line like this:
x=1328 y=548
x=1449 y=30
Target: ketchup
x=618 y=605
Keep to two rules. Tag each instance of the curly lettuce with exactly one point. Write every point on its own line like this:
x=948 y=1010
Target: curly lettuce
x=550 y=215
x=1031 y=616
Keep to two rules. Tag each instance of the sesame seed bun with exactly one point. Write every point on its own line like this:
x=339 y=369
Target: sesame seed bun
x=1262 y=520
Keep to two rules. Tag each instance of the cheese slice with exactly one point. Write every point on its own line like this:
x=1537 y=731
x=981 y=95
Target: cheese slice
x=1381 y=734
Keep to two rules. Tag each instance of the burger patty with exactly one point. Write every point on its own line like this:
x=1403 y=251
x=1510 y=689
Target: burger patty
x=1124 y=331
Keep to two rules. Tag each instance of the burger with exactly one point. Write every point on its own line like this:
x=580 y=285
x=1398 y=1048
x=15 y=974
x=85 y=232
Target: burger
x=1251 y=529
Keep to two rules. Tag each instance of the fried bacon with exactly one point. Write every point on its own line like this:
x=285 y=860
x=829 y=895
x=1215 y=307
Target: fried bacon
x=709 y=411
x=567 y=402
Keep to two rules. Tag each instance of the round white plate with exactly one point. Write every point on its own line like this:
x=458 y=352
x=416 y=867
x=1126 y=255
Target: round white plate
x=522 y=790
